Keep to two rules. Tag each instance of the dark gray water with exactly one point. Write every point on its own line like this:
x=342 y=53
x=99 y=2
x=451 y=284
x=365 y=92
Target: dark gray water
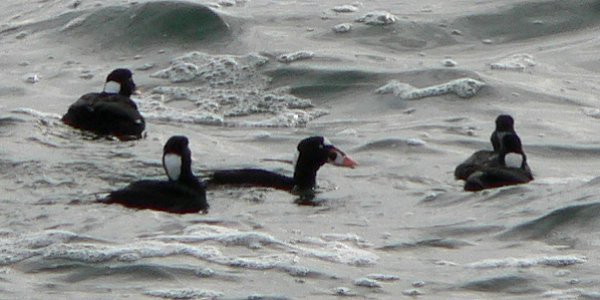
x=246 y=82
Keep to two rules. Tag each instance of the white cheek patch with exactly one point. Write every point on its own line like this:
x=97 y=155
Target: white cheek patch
x=339 y=159
x=295 y=159
x=513 y=160
x=327 y=142
x=172 y=163
x=112 y=87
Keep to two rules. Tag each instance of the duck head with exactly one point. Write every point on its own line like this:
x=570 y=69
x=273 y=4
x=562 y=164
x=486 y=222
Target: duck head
x=177 y=159
x=120 y=81
x=314 y=152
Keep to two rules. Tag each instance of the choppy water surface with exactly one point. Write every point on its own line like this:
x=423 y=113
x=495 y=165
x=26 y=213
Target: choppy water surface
x=408 y=88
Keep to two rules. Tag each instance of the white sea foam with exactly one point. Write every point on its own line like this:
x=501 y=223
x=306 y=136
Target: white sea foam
x=94 y=253
x=345 y=8
x=31 y=78
x=179 y=71
x=366 y=282
x=591 y=112
x=227 y=87
x=17 y=247
x=295 y=56
x=328 y=250
x=35 y=113
x=296 y=118
x=562 y=180
x=75 y=22
x=343 y=291
x=418 y=283
x=517 y=62
x=449 y=63
x=568 y=294
x=445 y=263
x=253 y=240
x=342 y=253
x=226 y=3
x=412 y=292
x=158 y=111
x=184 y=294
x=342 y=28
x=377 y=18
x=66 y=245
x=415 y=142
x=383 y=277
x=218 y=70
x=348 y=237
x=552 y=261
x=145 y=67
x=282 y=101
x=463 y=87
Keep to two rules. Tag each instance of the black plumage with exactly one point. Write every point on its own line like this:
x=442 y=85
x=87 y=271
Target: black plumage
x=182 y=193
x=313 y=152
x=111 y=112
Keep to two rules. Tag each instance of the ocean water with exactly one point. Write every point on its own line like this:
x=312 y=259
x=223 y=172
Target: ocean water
x=409 y=89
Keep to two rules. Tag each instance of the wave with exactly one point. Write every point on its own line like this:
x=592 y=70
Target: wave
x=402 y=145
x=398 y=35
x=253 y=90
x=184 y=294
x=577 y=152
x=559 y=224
x=517 y=22
x=151 y=23
x=428 y=243
x=140 y=25
x=511 y=284
x=225 y=90
x=550 y=261
x=530 y=20
x=320 y=83
x=6 y=123
x=54 y=245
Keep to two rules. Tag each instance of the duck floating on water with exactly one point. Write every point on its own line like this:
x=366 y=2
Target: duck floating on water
x=313 y=152
x=111 y=112
x=506 y=165
x=181 y=193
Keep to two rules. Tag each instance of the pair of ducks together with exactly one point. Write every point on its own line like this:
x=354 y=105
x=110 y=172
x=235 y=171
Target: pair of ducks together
x=505 y=165
x=112 y=112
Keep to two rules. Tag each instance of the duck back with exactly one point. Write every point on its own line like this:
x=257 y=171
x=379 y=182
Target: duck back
x=478 y=161
x=252 y=177
x=497 y=177
x=106 y=114
x=169 y=196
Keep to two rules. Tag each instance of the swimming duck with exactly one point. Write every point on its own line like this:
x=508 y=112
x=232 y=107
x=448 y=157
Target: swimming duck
x=508 y=166
x=504 y=125
x=181 y=193
x=111 y=112
x=312 y=153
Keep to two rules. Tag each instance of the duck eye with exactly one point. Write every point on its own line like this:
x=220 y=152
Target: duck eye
x=332 y=155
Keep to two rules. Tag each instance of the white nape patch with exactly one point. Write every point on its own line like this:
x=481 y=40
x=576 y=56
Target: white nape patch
x=513 y=160
x=172 y=163
x=295 y=159
x=327 y=142
x=112 y=87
